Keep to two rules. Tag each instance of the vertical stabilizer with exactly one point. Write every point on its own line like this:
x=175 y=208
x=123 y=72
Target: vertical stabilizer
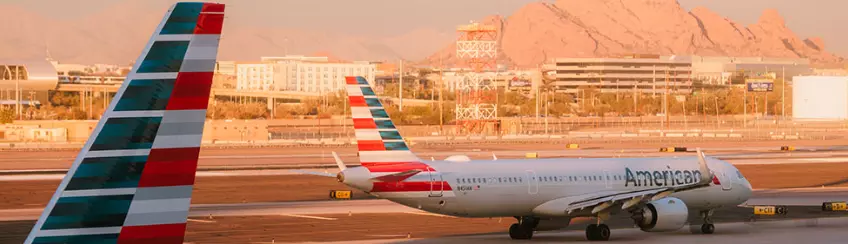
x=132 y=180
x=377 y=138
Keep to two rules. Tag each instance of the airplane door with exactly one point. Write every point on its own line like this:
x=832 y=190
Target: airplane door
x=436 y=183
x=532 y=182
x=607 y=179
x=726 y=180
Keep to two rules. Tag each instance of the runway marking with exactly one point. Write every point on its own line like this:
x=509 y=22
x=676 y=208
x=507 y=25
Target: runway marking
x=828 y=160
x=307 y=216
x=430 y=214
x=202 y=221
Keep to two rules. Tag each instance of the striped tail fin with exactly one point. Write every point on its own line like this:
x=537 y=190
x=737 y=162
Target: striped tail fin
x=378 y=140
x=132 y=180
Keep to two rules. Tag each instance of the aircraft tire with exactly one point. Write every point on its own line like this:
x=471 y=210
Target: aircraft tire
x=603 y=233
x=518 y=232
x=707 y=228
x=592 y=232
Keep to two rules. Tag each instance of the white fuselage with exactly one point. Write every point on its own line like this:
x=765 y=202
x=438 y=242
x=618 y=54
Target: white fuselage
x=517 y=187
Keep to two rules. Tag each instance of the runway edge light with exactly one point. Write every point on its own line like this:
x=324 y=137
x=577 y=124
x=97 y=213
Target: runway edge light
x=770 y=210
x=340 y=194
x=834 y=206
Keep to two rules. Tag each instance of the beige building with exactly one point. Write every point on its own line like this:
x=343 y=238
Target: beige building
x=718 y=70
x=645 y=75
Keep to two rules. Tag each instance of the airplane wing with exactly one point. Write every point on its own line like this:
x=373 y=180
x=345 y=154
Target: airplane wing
x=133 y=178
x=628 y=199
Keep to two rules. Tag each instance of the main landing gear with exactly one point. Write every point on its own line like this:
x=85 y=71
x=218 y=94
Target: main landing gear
x=523 y=230
x=598 y=232
x=707 y=227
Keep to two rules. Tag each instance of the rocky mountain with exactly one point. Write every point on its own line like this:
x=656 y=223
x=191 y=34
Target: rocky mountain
x=603 y=28
x=528 y=37
x=117 y=33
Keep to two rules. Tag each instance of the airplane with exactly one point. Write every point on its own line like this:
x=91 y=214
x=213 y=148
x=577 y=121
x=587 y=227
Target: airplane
x=133 y=178
x=542 y=194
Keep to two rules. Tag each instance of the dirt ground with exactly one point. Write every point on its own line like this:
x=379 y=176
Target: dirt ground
x=265 y=229
x=238 y=189
x=235 y=189
x=216 y=157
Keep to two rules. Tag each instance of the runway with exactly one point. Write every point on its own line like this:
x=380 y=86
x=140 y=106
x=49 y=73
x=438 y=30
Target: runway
x=286 y=162
x=381 y=221
x=825 y=230
x=789 y=197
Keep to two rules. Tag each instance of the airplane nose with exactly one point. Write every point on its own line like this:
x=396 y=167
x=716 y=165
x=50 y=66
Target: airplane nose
x=356 y=177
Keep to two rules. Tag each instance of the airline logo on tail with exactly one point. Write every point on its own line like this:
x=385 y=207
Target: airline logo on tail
x=378 y=140
x=132 y=181
x=382 y=149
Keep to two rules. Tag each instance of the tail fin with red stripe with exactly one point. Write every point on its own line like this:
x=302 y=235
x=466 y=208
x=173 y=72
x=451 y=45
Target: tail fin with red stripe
x=133 y=178
x=376 y=136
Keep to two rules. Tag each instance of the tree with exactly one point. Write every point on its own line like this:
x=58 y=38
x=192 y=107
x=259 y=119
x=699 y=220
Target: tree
x=7 y=115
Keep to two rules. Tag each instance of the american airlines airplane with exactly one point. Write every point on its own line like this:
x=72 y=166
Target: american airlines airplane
x=660 y=194
x=132 y=181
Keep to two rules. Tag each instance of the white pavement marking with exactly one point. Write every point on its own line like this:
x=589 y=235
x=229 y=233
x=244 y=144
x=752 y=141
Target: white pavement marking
x=307 y=216
x=201 y=221
x=430 y=214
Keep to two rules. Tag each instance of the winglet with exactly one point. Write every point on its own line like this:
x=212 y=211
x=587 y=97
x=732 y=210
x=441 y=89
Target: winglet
x=494 y=157
x=707 y=176
x=339 y=162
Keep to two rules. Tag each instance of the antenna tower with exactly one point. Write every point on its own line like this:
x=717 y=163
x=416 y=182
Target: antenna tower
x=476 y=91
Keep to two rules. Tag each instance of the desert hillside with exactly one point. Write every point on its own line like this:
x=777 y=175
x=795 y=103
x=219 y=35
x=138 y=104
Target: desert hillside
x=603 y=28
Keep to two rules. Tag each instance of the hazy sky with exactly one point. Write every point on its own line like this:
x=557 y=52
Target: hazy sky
x=822 y=18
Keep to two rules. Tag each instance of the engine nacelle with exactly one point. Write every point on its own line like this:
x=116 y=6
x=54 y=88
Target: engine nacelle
x=458 y=158
x=666 y=214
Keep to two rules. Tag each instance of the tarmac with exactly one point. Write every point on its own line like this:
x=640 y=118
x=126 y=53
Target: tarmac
x=381 y=221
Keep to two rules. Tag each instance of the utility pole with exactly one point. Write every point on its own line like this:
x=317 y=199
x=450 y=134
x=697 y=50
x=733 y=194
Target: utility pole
x=783 y=95
x=665 y=101
x=441 y=87
x=745 y=106
x=716 y=106
x=400 y=87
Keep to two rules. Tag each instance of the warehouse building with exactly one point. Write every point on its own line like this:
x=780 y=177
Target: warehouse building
x=820 y=97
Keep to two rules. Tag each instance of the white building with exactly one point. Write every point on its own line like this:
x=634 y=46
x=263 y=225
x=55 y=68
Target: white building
x=820 y=97
x=254 y=76
x=300 y=73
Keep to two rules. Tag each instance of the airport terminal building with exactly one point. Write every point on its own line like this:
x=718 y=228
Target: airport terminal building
x=651 y=75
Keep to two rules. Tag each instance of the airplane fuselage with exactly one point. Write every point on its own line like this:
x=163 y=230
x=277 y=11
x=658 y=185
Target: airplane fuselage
x=518 y=187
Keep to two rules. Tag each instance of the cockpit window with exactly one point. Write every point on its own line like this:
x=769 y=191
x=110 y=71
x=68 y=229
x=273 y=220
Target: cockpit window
x=739 y=174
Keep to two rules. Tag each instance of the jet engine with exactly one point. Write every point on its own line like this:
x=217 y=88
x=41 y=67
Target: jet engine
x=666 y=214
x=458 y=158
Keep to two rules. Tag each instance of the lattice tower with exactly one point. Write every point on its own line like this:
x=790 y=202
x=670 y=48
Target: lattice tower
x=476 y=90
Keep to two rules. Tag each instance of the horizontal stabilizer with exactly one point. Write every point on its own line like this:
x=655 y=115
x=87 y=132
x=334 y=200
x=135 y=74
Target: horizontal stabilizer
x=306 y=172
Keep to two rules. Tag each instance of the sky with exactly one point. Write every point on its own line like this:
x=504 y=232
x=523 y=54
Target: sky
x=807 y=18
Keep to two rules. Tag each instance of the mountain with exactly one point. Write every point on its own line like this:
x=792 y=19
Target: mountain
x=117 y=33
x=603 y=28
x=528 y=37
